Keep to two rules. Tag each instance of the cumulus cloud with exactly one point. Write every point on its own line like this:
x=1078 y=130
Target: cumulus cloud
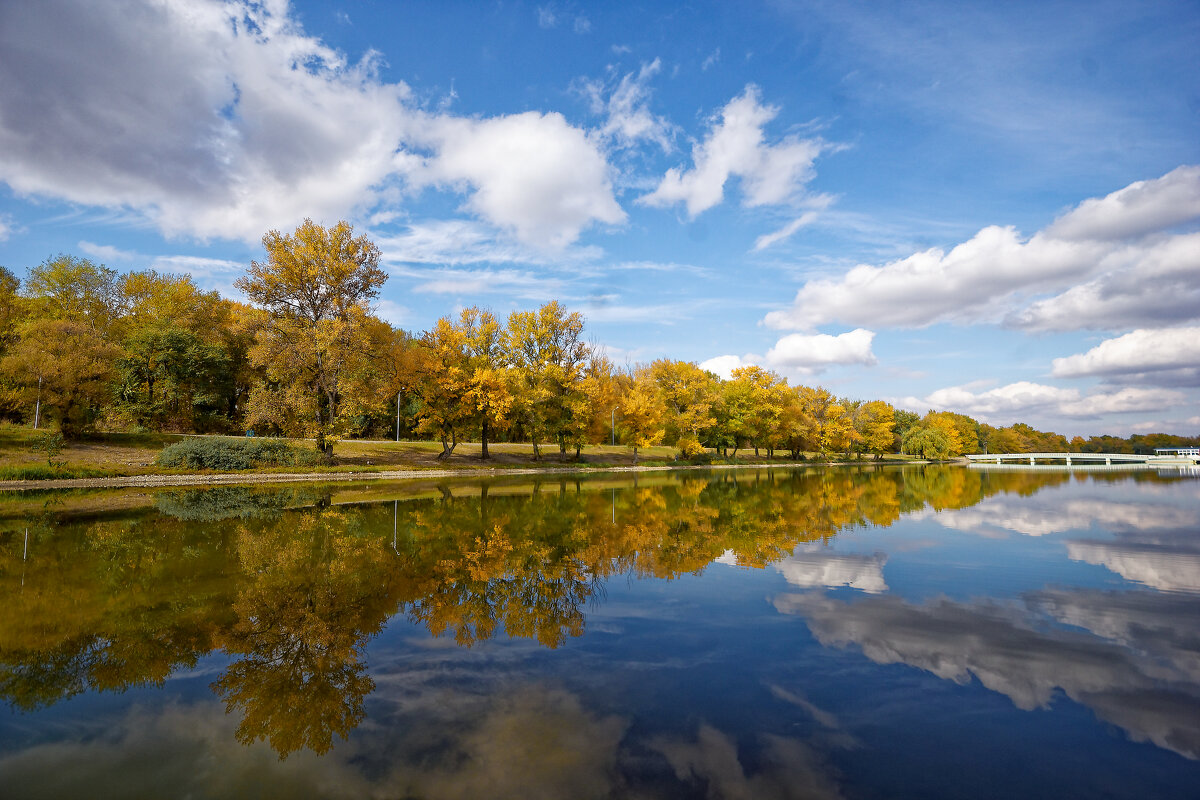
x=628 y=119
x=532 y=173
x=1011 y=650
x=812 y=567
x=1161 y=287
x=736 y=146
x=1034 y=517
x=812 y=353
x=1164 y=568
x=1136 y=353
x=722 y=366
x=1025 y=397
x=1140 y=208
x=1109 y=244
x=242 y=123
x=245 y=123
x=804 y=354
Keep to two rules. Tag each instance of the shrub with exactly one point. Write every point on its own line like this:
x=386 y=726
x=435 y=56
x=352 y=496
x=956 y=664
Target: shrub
x=230 y=454
x=690 y=447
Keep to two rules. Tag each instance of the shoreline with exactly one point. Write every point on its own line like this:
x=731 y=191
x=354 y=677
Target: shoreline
x=234 y=478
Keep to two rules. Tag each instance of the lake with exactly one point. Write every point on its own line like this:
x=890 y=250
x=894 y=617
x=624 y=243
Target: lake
x=936 y=631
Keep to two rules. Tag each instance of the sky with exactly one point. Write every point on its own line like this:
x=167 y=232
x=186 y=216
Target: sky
x=990 y=208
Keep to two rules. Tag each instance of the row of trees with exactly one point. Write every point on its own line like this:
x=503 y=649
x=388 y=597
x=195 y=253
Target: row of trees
x=82 y=346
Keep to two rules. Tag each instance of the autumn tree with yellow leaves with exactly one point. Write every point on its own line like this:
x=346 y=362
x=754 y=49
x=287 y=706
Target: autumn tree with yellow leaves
x=316 y=284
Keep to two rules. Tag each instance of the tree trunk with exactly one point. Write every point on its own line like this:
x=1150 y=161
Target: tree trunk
x=447 y=445
x=483 y=455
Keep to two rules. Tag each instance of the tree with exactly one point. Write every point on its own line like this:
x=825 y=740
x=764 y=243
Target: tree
x=757 y=396
x=444 y=384
x=928 y=442
x=170 y=377
x=874 y=422
x=154 y=299
x=642 y=412
x=547 y=352
x=75 y=289
x=316 y=285
x=64 y=368
x=689 y=394
x=489 y=393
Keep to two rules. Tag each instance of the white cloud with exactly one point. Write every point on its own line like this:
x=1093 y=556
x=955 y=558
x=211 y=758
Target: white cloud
x=532 y=174
x=1016 y=652
x=994 y=273
x=1165 y=570
x=106 y=252
x=6 y=227
x=626 y=108
x=722 y=366
x=604 y=309
x=803 y=354
x=736 y=147
x=546 y=17
x=393 y=313
x=1141 y=351
x=1024 y=397
x=519 y=283
x=245 y=123
x=810 y=567
x=811 y=353
x=464 y=241
x=768 y=239
x=1140 y=208
x=1161 y=286
x=197 y=265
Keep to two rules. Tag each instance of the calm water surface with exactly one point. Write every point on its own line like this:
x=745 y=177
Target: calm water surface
x=919 y=632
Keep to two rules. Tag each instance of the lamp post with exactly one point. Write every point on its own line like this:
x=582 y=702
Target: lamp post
x=612 y=424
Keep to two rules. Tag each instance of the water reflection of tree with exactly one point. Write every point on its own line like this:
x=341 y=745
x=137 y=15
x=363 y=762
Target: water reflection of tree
x=293 y=595
x=313 y=592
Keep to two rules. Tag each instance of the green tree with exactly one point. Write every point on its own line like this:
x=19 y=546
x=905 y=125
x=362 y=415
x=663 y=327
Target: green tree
x=64 y=369
x=71 y=288
x=548 y=355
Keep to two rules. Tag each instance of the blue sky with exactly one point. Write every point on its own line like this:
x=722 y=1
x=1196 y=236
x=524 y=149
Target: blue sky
x=992 y=208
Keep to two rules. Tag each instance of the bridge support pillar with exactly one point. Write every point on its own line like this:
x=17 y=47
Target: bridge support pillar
x=1068 y=459
x=1032 y=461
x=1108 y=462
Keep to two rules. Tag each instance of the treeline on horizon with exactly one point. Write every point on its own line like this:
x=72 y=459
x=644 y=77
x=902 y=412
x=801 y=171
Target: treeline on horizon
x=84 y=348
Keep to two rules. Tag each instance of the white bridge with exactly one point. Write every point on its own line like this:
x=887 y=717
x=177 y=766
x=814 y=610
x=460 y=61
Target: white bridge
x=1162 y=457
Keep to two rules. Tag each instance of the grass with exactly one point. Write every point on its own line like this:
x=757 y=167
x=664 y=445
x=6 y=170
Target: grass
x=121 y=454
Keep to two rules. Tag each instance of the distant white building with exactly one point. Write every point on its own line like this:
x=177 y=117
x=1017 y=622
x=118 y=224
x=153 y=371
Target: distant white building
x=1177 y=451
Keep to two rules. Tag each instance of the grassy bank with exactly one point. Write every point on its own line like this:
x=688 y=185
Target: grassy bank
x=132 y=454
